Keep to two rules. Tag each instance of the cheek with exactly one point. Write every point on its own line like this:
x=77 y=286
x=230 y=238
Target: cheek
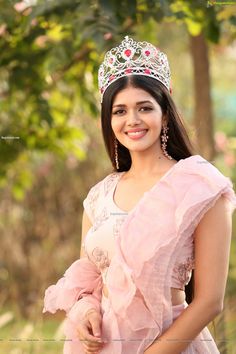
x=116 y=124
x=154 y=122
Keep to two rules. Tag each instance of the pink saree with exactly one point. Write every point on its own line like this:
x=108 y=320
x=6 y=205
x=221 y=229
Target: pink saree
x=139 y=307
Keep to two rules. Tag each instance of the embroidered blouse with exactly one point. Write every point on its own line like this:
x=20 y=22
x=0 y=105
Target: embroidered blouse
x=107 y=218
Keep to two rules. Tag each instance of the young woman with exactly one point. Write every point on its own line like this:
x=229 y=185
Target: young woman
x=162 y=212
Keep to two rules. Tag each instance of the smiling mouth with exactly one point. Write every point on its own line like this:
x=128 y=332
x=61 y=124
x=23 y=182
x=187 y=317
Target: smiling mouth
x=137 y=134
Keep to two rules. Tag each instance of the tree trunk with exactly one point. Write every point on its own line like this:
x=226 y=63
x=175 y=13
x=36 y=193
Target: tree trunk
x=203 y=116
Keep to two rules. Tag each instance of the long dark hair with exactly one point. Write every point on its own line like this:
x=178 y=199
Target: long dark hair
x=178 y=146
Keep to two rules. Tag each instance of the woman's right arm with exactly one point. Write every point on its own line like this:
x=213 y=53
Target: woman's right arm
x=82 y=280
x=89 y=329
x=86 y=225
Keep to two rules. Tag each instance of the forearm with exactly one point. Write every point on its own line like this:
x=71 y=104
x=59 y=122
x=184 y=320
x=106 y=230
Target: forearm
x=81 y=308
x=184 y=329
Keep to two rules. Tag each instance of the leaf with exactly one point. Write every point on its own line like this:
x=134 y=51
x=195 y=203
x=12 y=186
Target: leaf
x=194 y=28
x=226 y=13
x=233 y=20
x=18 y=192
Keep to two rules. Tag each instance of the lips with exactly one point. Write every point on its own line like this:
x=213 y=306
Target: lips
x=135 y=130
x=137 y=133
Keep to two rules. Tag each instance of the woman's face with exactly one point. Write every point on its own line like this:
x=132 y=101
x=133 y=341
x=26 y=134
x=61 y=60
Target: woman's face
x=136 y=110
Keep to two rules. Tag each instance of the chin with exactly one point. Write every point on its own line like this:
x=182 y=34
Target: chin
x=139 y=148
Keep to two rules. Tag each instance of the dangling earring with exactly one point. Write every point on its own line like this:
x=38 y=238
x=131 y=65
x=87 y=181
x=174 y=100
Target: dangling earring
x=164 y=138
x=116 y=154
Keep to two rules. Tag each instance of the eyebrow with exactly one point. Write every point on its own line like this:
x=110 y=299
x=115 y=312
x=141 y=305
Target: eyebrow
x=137 y=104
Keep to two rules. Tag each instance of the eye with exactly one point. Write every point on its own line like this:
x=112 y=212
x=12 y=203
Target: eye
x=146 y=108
x=118 y=112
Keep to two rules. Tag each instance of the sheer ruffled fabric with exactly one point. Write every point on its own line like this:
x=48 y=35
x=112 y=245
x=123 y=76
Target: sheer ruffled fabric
x=82 y=279
x=78 y=291
x=139 y=275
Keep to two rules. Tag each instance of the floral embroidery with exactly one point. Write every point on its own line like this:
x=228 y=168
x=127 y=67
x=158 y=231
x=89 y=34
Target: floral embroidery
x=108 y=182
x=184 y=270
x=92 y=198
x=100 y=258
x=100 y=219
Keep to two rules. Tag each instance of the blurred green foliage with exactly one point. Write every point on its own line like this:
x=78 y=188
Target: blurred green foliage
x=50 y=149
x=50 y=53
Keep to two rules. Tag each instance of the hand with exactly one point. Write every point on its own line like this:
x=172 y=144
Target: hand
x=89 y=331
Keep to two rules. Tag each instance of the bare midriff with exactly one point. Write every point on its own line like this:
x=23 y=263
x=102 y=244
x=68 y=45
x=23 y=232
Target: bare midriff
x=177 y=295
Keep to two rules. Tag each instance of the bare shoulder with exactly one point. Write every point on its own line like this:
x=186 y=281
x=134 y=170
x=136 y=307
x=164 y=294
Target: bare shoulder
x=220 y=209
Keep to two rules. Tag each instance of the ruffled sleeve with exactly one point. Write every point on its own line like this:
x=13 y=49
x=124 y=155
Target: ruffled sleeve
x=198 y=185
x=89 y=203
x=82 y=279
x=78 y=291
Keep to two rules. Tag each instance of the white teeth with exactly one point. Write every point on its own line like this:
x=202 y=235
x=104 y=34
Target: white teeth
x=136 y=133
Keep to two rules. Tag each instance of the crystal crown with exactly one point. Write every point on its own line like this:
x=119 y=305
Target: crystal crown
x=133 y=58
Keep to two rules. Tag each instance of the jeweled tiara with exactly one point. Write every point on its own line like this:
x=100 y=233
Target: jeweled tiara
x=133 y=58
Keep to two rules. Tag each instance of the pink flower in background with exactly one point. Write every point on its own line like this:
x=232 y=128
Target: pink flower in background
x=34 y=22
x=229 y=159
x=41 y=41
x=24 y=7
x=221 y=141
x=20 y=6
x=107 y=36
x=46 y=95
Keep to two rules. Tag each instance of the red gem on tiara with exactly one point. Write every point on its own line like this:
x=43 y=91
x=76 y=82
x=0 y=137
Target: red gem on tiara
x=147 y=71
x=112 y=77
x=128 y=71
x=147 y=53
x=128 y=52
x=111 y=61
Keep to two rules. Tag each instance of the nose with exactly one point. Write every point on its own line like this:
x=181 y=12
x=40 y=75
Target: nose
x=133 y=117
